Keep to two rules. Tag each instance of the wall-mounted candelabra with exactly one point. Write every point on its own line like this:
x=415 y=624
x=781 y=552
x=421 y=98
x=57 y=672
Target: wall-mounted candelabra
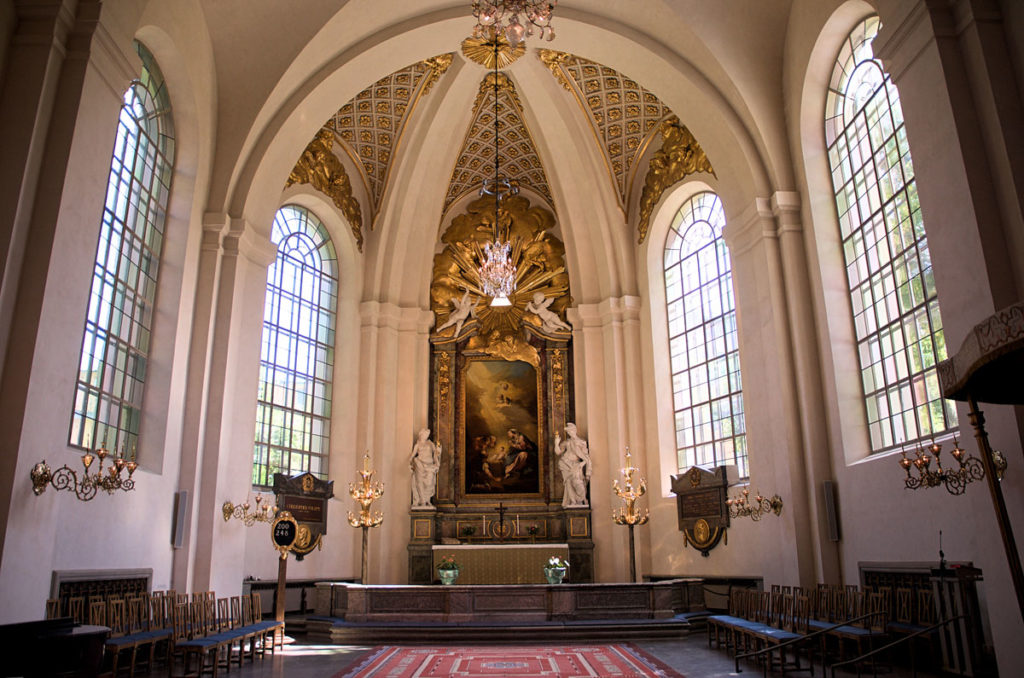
x=264 y=513
x=85 y=488
x=743 y=507
x=629 y=514
x=365 y=492
x=969 y=468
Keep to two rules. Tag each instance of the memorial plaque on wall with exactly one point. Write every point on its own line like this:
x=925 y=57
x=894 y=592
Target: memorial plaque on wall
x=304 y=497
x=703 y=513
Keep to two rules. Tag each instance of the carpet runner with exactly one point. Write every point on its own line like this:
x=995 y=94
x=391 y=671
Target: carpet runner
x=624 y=660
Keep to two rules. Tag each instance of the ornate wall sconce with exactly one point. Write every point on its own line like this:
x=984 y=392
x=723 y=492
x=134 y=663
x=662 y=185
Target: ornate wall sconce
x=629 y=514
x=365 y=492
x=264 y=513
x=85 y=488
x=956 y=480
x=743 y=507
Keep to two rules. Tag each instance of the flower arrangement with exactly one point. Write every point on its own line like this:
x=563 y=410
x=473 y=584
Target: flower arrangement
x=448 y=563
x=557 y=561
x=532 y=530
x=468 y=531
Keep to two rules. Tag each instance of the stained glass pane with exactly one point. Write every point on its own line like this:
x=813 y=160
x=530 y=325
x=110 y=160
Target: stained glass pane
x=888 y=268
x=118 y=321
x=293 y=406
x=707 y=392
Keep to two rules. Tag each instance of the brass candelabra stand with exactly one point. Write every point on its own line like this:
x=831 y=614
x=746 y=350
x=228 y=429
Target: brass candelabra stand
x=743 y=507
x=264 y=513
x=365 y=491
x=85 y=488
x=956 y=480
x=629 y=514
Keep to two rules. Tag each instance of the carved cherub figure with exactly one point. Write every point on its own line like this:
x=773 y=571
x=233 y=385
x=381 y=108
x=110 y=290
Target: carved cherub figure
x=549 y=321
x=463 y=308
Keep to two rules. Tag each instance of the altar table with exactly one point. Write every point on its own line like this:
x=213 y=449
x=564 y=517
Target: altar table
x=502 y=563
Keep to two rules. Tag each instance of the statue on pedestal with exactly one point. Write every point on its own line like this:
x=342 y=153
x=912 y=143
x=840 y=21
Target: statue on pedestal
x=424 y=462
x=574 y=463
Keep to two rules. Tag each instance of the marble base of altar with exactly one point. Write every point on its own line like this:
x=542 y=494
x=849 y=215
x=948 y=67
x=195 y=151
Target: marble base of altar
x=519 y=603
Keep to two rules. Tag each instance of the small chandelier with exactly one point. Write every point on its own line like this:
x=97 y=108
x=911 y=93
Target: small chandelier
x=264 y=513
x=956 y=480
x=743 y=507
x=85 y=488
x=502 y=16
x=497 y=272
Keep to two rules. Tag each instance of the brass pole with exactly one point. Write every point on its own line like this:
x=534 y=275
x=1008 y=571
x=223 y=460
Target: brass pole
x=362 y=571
x=632 y=557
x=1002 y=518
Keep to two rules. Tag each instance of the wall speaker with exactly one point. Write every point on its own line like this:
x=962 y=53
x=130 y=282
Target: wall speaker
x=179 y=516
x=831 y=514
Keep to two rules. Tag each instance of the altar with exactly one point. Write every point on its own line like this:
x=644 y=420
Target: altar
x=501 y=563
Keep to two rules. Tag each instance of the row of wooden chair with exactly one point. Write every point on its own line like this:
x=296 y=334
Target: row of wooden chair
x=223 y=631
x=758 y=620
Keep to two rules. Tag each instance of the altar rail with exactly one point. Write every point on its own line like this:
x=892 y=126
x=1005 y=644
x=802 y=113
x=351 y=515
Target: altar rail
x=513 y=603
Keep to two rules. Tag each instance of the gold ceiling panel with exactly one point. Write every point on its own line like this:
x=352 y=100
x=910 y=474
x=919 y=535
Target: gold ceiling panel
x=624 y=114
x=481 y=51
x=517 y=155
x=370 y=126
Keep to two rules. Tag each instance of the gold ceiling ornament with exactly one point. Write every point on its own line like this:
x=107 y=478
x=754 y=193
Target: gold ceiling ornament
x=553 y=59
x=520 y=162
x=679 y=156
x=322 y=169
x=371 y=125
x=481 y=50
x=624 y=116
x=438 y=65
x=538 y=255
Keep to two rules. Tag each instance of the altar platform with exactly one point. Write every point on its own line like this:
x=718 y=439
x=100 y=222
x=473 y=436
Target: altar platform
x=349 y=613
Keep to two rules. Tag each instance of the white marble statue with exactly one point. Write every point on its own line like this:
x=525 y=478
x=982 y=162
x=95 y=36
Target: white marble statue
x=462 y=309
x=549 y=320
x=574 y=463
x=424 y=462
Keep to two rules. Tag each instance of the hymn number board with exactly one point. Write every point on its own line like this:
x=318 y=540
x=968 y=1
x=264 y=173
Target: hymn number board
x=703 y=513
x=303 y=499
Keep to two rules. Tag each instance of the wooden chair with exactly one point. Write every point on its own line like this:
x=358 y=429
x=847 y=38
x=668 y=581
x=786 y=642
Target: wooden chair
x=272 y=630
x=52 y=608
x=76 y=609
x=98 y=612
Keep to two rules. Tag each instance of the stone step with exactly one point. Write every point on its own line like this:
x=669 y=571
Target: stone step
x=337 y=631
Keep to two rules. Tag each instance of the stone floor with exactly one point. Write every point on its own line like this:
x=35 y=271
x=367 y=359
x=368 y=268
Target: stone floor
x=690 y=656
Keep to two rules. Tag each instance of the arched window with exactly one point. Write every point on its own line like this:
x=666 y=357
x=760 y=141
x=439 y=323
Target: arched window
x=892 y=286
x=116 y=342
x=707 y=390
x=293 y=409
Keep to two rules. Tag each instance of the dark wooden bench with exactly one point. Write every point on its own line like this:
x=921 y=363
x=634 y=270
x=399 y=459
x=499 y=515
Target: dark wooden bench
x=52 y=647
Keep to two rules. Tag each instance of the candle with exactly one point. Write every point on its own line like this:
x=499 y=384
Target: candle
x=517 y=523
x=483 y=521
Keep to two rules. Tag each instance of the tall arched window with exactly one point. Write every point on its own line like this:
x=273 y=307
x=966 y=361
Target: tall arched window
x=892 y=286
x=116 y=341
x=707 y=390
x=293 y=409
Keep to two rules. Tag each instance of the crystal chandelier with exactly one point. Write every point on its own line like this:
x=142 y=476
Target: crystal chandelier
x=497 y=272
x=503 y=16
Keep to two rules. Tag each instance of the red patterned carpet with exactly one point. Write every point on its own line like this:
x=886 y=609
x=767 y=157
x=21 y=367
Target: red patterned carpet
x=527 y=661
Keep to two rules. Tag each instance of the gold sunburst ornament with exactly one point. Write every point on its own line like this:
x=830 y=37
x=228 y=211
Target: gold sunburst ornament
x=488 y=50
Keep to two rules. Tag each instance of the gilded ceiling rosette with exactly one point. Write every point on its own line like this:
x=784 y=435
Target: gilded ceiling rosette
x=539 y=257
x=371 y=125
x=517 y=153
x=624 y=115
